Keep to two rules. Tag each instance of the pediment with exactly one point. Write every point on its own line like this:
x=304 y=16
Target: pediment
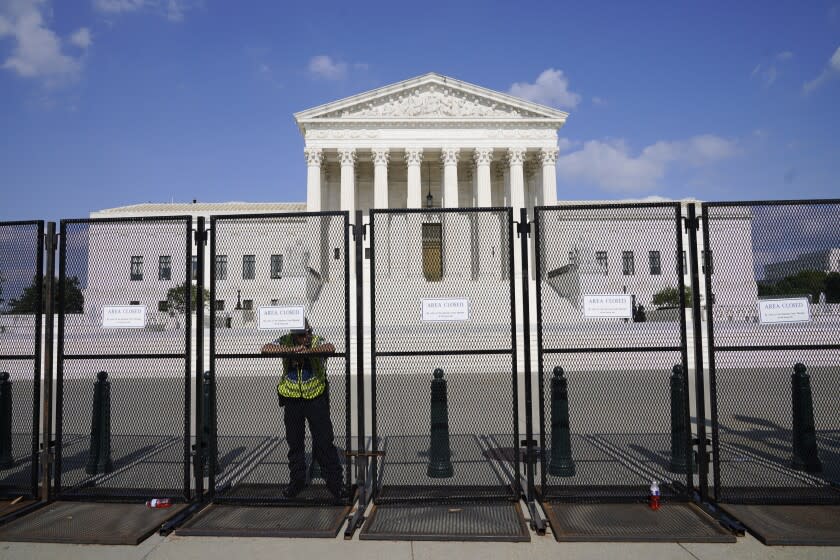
x=430 y=97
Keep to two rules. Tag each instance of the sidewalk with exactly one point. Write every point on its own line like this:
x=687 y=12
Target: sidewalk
x=209 y=548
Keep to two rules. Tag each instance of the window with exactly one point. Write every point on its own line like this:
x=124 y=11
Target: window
x=275 y=302
x=573 y=258
x=136 y=268
x=164 y=267
x=221 y=267
x=628 y=266
x=134 y=303
x=432 y=252
x=276 y=266
x=248 y=267
x=248 y=304
x=194 y=267
x=163 y=306
x=220 y=305
x=655 y=263
x=601 y=260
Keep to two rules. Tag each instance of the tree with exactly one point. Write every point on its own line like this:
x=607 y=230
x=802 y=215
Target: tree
x=670 y=297
x=176 y=298
x=832 y=287
x=2 y=280
x=74 y=299
x=803 y=283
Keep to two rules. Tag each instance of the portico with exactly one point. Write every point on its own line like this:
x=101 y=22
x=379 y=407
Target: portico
x=430 y=141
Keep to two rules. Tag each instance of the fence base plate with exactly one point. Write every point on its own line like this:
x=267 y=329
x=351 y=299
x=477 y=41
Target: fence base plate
x=88 y=523
x=7 y=507
x=674 y=522
x=502 y=522
x=817 y=525
x=251 y=521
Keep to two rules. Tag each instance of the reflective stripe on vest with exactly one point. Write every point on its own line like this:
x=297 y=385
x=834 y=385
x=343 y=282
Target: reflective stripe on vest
x=297 y=388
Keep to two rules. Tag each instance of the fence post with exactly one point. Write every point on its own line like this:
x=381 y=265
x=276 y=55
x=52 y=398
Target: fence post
x=805 y=457
x=440 y=464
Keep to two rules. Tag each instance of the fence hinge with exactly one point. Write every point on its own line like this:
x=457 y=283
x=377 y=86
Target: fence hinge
x=523 y=227
x=201 y=237
x=354 y=229
x=691 y=223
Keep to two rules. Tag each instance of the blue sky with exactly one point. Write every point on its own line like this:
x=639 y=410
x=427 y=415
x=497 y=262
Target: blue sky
x=105 y=103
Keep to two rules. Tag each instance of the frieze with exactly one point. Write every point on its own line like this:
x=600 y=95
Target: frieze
x=431 y=101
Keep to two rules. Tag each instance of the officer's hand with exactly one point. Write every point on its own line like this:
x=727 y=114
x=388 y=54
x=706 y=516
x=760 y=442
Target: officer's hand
x=271 y=348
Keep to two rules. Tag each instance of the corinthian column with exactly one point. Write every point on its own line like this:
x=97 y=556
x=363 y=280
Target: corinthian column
x=548 y=157
x=449 y=157
x=515 y=158
x=347 y=157
x=483 y=157
x=413 y=159
x=381 y=156
x=314 y=158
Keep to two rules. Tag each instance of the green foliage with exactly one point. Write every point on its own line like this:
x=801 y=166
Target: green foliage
x=805 y=283
x=176 y=298
x=670 y=297
x=74 y=300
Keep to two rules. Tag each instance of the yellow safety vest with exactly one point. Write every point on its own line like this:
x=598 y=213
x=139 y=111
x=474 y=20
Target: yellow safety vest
x=306 y=381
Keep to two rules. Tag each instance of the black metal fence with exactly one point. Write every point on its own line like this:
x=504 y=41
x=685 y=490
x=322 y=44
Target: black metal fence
x=773 y=316
x=612 y=353
x=444 y=370
x=267 y=274
x=125 y=301
x=21 y=306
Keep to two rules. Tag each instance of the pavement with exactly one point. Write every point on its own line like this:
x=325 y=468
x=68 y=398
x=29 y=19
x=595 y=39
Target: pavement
x=174 y=547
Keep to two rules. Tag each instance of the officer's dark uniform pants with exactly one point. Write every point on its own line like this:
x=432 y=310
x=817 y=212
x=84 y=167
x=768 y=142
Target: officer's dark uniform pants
x=317 y=412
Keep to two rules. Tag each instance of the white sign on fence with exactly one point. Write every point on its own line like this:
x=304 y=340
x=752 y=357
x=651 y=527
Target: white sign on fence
x=444 y=310
x=787 y=310
x=608 y=306
x=281 y=317
x=123 y=316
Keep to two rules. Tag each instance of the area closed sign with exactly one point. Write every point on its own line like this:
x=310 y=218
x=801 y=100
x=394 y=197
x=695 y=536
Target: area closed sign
x=785 y=310
x=281 y=317
x=123 y=316
x=445 y=310
x=608 y=306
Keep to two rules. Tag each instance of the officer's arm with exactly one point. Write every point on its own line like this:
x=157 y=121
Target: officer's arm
x=277 y=347
x=322 y=348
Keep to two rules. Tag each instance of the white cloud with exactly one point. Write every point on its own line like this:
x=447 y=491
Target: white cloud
x=173 y=10
x=323 y=66
x=768 y=71
x=38 y=51
x=119 y=6
x=550 y=88
x=610 y=165
x=832 y=68
x=82 y=38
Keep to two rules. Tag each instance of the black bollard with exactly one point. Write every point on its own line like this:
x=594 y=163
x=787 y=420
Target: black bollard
x=99 y=456
x=679 y=431
x=805 y=456
x=561 y=463
x=440 y=463
x=6 y=459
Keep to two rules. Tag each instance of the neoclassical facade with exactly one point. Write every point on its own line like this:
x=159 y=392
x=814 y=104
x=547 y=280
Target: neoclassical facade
x=430 y=141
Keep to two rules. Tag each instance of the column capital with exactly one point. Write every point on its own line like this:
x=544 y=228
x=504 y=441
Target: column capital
x=414 y=156
x=380 y=156
x=450 y=156
x=548 y=156
x=515 y=156
x=314 y=156
x=347 y=156
x=483 y=156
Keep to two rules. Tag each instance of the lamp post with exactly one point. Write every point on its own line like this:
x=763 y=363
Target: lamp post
x=429 y=198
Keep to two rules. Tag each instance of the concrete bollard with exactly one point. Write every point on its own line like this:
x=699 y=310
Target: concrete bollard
x=680 y=462
x=99 y=455
x=805 y=453
x=440 y=462
x=561 y=463
x=7 y=460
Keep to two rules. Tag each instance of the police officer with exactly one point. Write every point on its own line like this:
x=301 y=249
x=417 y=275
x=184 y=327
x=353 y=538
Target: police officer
x=304 y=392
